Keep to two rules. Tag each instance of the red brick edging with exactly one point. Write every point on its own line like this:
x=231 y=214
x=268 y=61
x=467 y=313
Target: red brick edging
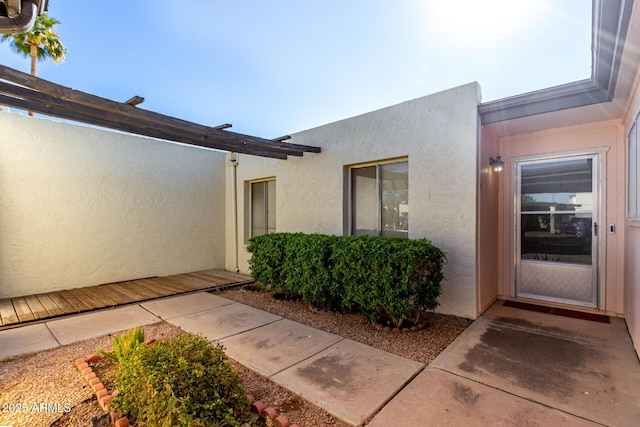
x=104 y=398
x=257 y=407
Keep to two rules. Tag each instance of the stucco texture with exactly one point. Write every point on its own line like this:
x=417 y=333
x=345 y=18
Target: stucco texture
x=81 y=206
x=488 y=225
x=438 y=134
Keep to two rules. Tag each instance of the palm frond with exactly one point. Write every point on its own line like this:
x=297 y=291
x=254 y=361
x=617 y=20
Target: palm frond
x=42 y=36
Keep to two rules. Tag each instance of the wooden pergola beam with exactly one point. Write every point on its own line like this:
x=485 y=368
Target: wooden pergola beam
x=120 y=126
x=46 y=104
x=123 y=115
x=282 y=138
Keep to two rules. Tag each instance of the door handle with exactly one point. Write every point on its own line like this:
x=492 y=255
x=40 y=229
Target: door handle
x=595 y=228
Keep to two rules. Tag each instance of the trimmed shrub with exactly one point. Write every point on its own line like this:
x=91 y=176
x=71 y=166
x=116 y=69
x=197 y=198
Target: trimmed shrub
x=389 y=279
x=308 y=270
x=268 y=258
x=184 y=381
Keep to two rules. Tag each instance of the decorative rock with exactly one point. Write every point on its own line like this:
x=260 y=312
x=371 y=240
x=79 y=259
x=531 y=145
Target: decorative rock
x=269 y=413
x=281 y=421
x=257 y=407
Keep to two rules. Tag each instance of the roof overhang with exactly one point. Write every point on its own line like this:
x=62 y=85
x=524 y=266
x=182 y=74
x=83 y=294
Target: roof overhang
x=601 y=97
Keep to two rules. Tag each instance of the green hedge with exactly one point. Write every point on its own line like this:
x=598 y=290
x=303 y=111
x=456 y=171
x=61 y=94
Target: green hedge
x=385 y=278
x=185 y=381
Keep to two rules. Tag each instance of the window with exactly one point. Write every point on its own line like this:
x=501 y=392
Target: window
x=379 y=199
x=262 y=207
x=633 y=173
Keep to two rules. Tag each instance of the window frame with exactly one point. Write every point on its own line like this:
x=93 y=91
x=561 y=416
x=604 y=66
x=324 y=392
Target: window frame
x=250 y=210
x=349 y=192
x=633 y=173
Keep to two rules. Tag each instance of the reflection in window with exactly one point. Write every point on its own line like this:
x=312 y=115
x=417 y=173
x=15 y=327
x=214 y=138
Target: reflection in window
x=380 y=200
x=557 y=184
x=556 y=207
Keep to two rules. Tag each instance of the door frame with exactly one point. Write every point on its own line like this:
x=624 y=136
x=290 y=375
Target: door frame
x=599 y=159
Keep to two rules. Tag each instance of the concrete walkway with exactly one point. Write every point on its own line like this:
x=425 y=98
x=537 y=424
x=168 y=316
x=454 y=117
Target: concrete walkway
x=510 y=367
x=513 y=367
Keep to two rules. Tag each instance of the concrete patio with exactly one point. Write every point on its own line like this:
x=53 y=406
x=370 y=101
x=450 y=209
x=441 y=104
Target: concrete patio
x=510 y=367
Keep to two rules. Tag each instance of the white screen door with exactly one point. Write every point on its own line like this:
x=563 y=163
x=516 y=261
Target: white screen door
x=557 y=229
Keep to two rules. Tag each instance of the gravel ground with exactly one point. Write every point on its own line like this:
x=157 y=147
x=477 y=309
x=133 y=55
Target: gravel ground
x=50 y=377
x=422 y=345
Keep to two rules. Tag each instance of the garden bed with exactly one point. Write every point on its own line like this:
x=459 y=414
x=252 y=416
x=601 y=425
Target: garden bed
x=422 y=345
x=51 y=377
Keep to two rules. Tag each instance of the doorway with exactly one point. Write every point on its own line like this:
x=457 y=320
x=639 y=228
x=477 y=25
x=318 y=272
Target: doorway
x=556 y=233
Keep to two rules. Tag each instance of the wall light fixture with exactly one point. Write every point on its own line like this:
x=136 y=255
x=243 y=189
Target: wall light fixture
x=497 y=163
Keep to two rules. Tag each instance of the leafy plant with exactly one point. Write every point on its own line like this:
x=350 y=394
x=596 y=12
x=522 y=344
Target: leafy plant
x=124 y=344
x=385 y=278
x=184 y=381
x=308 y=270
x=389 y=278
x=268 y=258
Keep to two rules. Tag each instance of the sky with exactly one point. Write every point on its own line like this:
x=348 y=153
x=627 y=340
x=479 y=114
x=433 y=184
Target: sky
x=277 y=67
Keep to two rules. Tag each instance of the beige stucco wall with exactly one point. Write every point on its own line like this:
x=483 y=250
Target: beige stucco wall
x=81 y=206
x=439 y=136
x=488 y=201
x=606 y=137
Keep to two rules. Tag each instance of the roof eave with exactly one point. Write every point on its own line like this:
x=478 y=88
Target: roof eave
x=610 y=24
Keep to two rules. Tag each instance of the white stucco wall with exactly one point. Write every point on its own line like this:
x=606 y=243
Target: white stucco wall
x=81 y=206
x=439 y=136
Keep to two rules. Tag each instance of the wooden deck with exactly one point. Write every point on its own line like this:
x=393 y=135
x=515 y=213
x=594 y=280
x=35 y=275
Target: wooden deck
x=53 y=304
